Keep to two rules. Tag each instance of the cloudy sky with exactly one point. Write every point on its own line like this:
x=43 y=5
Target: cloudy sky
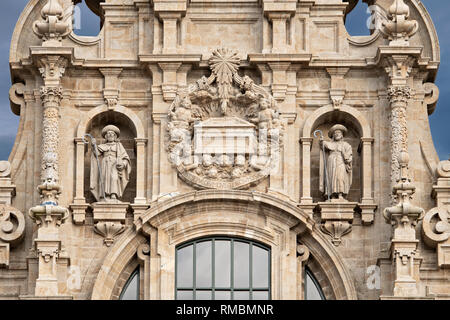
x=439 y=9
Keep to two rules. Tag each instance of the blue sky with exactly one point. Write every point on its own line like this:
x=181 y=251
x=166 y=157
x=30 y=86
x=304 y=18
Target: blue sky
x=439 y=10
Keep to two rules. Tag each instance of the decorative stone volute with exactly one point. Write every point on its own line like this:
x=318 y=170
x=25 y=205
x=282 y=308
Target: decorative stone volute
x=399 y=28
x=12 y=231
x=56 y=24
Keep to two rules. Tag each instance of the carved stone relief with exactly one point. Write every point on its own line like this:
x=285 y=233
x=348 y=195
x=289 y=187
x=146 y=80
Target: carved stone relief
x=12 y=231
x=225 y=132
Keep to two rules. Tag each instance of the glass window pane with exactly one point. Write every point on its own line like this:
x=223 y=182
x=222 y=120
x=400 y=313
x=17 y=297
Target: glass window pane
x=203 y=295
x=222 y=262
x=131 y=289
x=241 y=295
x=260 y=295
x=223 y=295
x=185 y=266
x=241 y=265
x=312 y=292
x=260 y=267
x=185 y=295
x=204 y=264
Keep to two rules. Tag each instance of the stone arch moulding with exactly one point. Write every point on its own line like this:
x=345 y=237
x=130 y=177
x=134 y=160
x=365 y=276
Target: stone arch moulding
x=79 y=204
x=251 y=215
x=367 y=202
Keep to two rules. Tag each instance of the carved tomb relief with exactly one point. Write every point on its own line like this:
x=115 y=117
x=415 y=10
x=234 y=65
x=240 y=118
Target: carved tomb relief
x=225 y=131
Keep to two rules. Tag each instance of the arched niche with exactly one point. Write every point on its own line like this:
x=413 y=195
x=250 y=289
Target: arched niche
x=127 y=138
x=132 y=138
x=249 y=215
x=359 y=136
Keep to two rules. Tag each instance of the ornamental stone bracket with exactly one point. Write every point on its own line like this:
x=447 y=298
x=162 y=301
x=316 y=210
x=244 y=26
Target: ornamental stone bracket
x=436 y=223
x=109 y=219
x=336 y=218
x=111 y=87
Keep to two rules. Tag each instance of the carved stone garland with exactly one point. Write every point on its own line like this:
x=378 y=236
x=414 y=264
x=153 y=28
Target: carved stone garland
x=225 y=131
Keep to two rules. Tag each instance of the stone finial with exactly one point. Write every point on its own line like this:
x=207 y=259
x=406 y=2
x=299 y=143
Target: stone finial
x=398 y=29
x=56 y=24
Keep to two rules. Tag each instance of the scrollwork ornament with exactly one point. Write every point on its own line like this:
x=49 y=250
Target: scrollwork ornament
x=436 y=226
x=12 y=225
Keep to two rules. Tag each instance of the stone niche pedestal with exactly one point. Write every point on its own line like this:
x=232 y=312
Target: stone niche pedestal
x=336 y=217
x=109 y=219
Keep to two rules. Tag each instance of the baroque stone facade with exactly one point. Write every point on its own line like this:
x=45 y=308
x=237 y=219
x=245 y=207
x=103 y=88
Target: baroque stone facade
x=187 y=125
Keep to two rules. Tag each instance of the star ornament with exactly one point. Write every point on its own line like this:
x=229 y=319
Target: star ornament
x=224 y=64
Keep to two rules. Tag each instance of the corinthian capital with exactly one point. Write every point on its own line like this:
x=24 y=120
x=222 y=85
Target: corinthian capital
x=51 y=96
x=399 y=94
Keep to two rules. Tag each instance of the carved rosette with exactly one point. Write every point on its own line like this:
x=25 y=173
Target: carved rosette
x=224 y=131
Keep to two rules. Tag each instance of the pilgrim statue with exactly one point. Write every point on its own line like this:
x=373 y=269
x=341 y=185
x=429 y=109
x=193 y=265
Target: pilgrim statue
x=337 y=157
x=110 y=167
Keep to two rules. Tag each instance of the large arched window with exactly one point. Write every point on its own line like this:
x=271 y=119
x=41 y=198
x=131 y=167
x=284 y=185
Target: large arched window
x=313 y=291
x=131 y=289
x=221 y=268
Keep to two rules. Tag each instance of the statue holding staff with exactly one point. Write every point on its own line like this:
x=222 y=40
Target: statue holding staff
x=110 y=167
x=338 y=159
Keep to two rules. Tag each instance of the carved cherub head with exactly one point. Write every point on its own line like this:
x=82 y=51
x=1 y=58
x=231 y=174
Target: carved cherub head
x=264 y=103
x=186 y=103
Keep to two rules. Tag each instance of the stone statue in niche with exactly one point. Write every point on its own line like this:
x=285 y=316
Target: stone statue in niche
x=110 y=167
x=337 y=158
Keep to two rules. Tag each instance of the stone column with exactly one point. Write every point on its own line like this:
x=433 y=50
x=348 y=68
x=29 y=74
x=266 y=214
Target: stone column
x=398 y=97
x=49 y=215
x=399 y=58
